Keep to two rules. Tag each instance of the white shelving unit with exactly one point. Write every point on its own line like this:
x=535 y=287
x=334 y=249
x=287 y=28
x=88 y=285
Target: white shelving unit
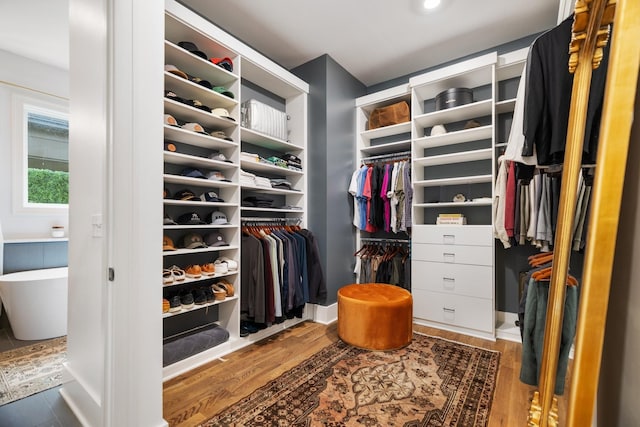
x=193 y=150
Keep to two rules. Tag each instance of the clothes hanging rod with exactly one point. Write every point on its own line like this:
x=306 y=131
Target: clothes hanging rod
x=270 y=220
x=379 y=240
x=387 y=156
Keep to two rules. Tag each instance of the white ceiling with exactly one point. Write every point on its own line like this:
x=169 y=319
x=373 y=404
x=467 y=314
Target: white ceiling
x=36 y=29
x=375 y=40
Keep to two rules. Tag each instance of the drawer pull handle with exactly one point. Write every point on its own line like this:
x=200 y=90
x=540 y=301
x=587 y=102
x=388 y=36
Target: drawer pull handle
x=448 y=238
x=448 y=310
x=448 y=282
x=449 y=314
x=448 y=256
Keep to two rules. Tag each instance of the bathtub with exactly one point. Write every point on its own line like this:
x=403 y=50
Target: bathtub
x=36 y=302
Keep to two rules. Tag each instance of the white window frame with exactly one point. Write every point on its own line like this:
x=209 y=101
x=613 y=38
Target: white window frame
x=21 y=105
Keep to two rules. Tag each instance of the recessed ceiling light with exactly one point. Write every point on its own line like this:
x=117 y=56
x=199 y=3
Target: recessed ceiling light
x=430 y=4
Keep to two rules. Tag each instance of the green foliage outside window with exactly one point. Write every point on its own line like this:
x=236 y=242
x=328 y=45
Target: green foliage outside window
x=46 y=186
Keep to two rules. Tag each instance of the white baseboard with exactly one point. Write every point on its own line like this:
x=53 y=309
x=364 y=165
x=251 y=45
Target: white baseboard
x=506 y=328
x=325 y=314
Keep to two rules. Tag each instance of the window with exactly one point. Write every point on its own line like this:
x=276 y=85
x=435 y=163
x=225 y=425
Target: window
x=41 y=154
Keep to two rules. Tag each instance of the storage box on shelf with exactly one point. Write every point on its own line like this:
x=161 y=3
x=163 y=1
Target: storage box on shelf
x=214 y=151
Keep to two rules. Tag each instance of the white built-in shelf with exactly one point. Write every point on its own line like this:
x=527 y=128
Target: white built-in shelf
x=458 y=180
x=198 y=307
x=196 y=161
x=252 y=209
x=202 y=278
x=505 y=106
x=501 y=144
x=455 y=114
x=451 y=138
x=398 y=129
x=390 y=147
x=185 y=136
x=453 y=204
x=265 y=167
x=459 y=157
x=197 y=182
x=187 y=203
x=267 y=190
x=199 y=250
x=198 y=227
x=263 y=140
x=196 y=66
x=187 y=89
x=187 y=113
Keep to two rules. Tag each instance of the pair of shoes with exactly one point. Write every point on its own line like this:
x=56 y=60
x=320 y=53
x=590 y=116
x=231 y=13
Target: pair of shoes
x=232 y=265
x=176 y=272
x=175 y=304
x=219 y=292
x=208 y=269
x=221 y=267
x=165 y=305
x=199 y=296
x=227 y=286
x=208 y=293
x=194 y=271
x=244 y=331
x=249 y=326
x=167 y=277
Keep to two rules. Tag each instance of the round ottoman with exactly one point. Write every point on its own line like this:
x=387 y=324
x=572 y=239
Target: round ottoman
x=375 y=316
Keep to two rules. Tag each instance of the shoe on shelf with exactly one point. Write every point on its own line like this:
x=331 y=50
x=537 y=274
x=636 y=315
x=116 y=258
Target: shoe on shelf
x=186 y=300
x=194 y=271
x=228 y=286
x=232 y=265
x=221 y=267
x=177 y=273
x=199 y=296
x=244 y=331
x=208 y=269
x=166 y=305
x=219 y=292
x=167 y=277
x=175 y=304
x=208 y=293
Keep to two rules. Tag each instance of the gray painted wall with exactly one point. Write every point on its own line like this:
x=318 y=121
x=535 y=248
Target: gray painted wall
x=331 y=155
x=620 y=374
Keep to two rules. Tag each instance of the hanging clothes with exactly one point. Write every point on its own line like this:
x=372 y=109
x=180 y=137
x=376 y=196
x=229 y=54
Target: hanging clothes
x=384 y=262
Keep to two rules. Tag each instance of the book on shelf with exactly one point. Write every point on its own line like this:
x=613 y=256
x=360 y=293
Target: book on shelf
x=451 y=219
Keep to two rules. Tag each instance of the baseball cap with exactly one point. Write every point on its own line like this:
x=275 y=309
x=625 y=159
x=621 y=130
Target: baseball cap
x=215 y=238
x=223 y=91
x=210 y=196
x=168 y=220
x=175 y=70
x=201 y=82
x=225 y=63
x=167 y=244
x=194 y=127
x=197 y=104
x=192 y=48
x=218 y=218
x=170 y=120
x=220 y=134
x=190 y=218
x=219 y=156
x=193 y=241
x=216 y=176
x=172 y=95
x=166 y=194
x=192 y=173
x=169 y=146
x=222 y=112
x=185 y=195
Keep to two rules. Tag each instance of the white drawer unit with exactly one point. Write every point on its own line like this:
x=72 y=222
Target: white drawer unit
x=453 y=254
x=470 y=280
x=454 y=310
x=480 y=235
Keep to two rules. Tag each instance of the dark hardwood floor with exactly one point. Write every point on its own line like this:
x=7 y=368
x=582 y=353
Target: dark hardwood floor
x=194 y=397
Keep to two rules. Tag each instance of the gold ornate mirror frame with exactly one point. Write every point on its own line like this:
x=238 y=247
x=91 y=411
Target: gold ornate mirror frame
x=590 y=34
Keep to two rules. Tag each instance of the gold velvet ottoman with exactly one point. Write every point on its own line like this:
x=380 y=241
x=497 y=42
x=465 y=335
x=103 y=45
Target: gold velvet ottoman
x=375 y=316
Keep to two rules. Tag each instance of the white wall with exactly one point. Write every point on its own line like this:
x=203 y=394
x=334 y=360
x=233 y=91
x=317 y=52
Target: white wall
x=23 y=75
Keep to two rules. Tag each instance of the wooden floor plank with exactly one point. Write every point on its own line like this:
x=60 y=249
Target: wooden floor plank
x=194 y=397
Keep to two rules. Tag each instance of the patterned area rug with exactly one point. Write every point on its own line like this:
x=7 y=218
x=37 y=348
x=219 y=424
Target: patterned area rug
x=31 y=369
x=431 y=382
